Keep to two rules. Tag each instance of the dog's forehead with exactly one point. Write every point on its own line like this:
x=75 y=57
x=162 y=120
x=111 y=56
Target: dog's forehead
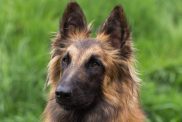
x=84 y=49
x=85 y=44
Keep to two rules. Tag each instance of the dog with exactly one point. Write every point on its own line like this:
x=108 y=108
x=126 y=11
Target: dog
x=93 y=79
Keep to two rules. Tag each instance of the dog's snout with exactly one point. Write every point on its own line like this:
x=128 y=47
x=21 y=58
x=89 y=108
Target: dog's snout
x=63 y=92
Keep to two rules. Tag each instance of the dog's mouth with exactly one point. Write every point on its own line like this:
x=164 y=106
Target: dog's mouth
x=74 y=104
x=65 y=105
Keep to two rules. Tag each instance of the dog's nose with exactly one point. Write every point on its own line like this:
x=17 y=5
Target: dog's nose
x=63 y=92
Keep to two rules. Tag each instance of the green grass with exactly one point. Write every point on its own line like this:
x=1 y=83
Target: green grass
x=25 y=31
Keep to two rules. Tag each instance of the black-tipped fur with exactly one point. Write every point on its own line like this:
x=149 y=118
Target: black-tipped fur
x=116 y=26
x=93 y=79
x=73 y=20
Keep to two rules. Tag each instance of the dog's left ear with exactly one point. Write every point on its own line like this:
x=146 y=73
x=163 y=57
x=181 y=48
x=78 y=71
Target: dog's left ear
x=117 y=31
x=73 y=20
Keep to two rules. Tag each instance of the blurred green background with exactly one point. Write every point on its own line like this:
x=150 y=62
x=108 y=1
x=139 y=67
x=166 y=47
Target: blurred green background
x=26 y=28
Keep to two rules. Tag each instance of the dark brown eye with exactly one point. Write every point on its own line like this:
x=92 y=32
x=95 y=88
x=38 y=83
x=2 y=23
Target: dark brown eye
x=94 y=63
x=66 y=60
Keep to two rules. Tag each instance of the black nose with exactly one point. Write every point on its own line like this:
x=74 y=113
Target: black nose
x=63 y=93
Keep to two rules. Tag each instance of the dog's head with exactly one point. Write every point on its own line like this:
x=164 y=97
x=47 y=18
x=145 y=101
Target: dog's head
x=81 y=66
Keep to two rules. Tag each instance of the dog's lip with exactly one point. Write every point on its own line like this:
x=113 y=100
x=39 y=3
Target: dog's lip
x=68 y=105
x=62 y=101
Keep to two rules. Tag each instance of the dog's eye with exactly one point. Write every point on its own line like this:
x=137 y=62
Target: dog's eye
x=66 y=60
x=93 y=63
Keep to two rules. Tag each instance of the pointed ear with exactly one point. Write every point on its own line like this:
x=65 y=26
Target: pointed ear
x=117 y=31
x=73 y=20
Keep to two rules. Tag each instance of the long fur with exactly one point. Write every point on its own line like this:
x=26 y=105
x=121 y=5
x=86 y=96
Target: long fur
x=120 y=102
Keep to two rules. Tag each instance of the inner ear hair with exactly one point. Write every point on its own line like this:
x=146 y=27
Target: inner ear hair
x=116 y=27
x=116 y=31
x=73 y=20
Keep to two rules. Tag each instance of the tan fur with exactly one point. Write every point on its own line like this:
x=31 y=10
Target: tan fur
x=102 y=37
x=120 y=86
x=124 y=96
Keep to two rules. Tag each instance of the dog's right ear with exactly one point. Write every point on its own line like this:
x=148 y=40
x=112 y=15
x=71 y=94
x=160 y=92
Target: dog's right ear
x=73 y=23
x=73 y=20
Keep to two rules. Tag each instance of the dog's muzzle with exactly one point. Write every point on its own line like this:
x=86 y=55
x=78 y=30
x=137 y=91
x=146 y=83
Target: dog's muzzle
x=63 y=94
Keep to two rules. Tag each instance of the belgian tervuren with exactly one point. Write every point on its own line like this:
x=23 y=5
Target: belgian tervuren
x=93 y=79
